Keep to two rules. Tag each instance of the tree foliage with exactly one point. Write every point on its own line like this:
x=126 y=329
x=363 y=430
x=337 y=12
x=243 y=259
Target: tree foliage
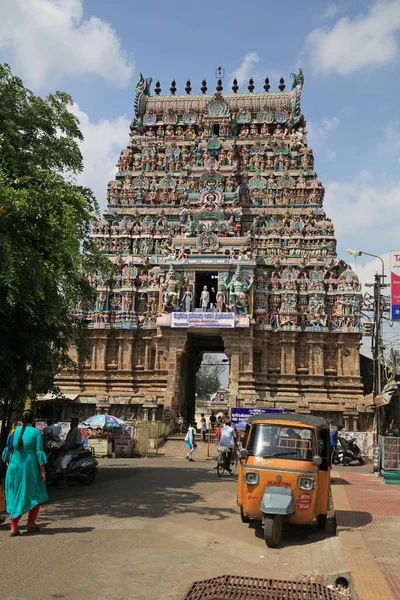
x=207 y=379
x=45 y=248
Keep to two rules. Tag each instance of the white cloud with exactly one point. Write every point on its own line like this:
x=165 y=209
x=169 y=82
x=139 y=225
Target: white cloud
x=366 y=215
x=49 y=38
x=368 y=40
x=330 y=11
x=331 y=155
x=103 y=142
x=244 y=70
x=319 y=132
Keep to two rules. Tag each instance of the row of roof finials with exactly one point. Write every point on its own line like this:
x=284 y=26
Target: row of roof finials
x=219 y=87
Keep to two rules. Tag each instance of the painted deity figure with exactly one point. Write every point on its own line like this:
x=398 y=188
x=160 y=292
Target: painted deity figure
x=220 y=299
x=238 y=289
x=187 y=300
x=171 y=292
x=204 y=299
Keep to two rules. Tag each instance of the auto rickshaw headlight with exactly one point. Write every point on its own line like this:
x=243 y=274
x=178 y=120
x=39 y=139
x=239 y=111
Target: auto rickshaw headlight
x=251 y=478
x=306 y=483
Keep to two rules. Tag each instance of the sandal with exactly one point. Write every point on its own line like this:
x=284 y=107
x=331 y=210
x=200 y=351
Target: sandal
x=33 y=529
x=15 y=532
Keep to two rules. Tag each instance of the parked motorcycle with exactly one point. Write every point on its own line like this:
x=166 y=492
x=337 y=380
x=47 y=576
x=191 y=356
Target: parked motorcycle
x=82 y=467
x=347 y=452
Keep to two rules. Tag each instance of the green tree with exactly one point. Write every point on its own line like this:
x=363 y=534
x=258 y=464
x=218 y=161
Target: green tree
x=207 y=382
x=45 y=248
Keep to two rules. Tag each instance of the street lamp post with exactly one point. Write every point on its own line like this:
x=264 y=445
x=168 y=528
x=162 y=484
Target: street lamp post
x=377 y=338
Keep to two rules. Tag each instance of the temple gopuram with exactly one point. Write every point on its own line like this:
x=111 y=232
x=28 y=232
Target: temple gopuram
x=216 y=227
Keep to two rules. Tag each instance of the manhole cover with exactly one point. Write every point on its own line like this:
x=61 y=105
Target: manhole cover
x=235 y=587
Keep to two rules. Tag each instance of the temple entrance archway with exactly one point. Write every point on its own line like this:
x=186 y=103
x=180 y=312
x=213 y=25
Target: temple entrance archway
x=197 y=346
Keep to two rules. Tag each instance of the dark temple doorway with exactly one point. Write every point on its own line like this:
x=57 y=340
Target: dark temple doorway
x=207 y=369
x=210 y=280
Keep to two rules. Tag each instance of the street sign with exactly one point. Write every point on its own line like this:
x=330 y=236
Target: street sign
x=395 y=285
x=241 y=415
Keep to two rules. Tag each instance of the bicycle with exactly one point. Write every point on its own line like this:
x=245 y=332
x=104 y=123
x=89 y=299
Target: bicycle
x=221 y=468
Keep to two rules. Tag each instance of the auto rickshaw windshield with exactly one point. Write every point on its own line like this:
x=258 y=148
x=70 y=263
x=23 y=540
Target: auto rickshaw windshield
x=281 y=441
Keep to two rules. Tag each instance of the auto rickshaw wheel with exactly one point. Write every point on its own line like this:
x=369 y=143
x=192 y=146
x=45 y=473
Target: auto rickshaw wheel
x=321 y=522
x=244 y=518
x=273 y=530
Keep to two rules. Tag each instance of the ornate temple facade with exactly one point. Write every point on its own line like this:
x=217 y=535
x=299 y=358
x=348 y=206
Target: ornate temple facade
x=216 y=227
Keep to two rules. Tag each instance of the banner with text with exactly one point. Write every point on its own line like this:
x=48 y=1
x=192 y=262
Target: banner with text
x=395 y=285
x=203 y=319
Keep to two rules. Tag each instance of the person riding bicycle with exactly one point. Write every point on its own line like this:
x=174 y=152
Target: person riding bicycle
x=227 y=439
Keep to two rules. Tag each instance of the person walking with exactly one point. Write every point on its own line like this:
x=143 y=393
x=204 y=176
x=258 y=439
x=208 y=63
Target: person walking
x=190 y=442
x=213 y=420
x=203 y=425
x=334 y=439
x=227 y=439
x=26 y=475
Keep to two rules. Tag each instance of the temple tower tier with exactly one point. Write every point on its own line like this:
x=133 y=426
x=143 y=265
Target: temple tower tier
x=216 y=227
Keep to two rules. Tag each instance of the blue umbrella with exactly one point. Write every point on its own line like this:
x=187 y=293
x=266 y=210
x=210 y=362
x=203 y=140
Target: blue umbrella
x=103 y=421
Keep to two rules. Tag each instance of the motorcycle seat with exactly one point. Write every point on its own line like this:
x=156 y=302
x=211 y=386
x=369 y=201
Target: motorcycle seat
x=83 y=454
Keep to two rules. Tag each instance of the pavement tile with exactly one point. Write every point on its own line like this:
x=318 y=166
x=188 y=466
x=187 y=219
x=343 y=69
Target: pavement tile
x=367 y=513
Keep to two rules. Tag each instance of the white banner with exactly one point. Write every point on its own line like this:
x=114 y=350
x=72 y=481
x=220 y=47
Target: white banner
x=203 y=319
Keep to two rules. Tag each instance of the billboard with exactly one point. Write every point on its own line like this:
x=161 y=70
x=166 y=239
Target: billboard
x=395 y=285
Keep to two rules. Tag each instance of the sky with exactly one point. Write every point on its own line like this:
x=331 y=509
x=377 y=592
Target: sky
x=349 y=53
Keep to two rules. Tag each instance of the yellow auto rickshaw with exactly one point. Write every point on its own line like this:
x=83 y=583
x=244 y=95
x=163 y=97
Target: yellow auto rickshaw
x=284 y=472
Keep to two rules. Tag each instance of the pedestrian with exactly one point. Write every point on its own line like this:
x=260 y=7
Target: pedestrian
x=180 y=423
x=53 y=428
x=70 y=448
x=227 y=439
x=213 y=420
x=218 y=430
x=334 y=439
x=203 y=425
x=190 y=441
x=26 y=475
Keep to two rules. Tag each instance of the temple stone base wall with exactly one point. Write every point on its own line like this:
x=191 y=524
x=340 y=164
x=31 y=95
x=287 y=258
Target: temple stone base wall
x=152 y=371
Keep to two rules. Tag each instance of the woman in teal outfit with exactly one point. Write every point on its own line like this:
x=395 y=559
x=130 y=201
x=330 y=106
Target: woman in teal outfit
x=26 y=475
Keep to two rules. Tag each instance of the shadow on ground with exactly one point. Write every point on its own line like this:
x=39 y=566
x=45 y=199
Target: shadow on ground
x=133 y=491
x=339 y=481
x=352 y=519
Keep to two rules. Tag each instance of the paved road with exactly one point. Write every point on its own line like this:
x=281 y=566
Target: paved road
x=146 y=529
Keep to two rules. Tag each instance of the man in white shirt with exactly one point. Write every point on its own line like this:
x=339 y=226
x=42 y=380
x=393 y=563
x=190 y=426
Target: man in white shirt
x=228 y=440
x=190 y=442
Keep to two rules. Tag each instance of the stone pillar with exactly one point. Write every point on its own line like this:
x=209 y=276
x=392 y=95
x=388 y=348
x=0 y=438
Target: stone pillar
x=340 y=359
x=101 y=353
x=120 y=361
x=316 y=358
x=147 y=342
x=346 y=420
x=355 y=419
x=94 y=354
x=145 y=414
x=288 y=355
x=233 y=353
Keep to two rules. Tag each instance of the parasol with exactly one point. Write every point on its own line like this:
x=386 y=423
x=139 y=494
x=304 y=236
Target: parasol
x=103 y=421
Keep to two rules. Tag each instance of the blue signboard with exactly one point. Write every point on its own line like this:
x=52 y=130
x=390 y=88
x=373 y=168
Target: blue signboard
x=239 y=416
